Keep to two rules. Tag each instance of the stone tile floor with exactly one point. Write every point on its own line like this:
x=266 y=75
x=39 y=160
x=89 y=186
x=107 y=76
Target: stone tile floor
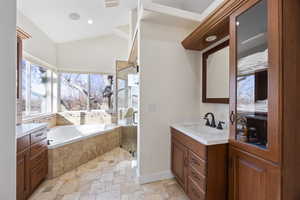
x=111 y=176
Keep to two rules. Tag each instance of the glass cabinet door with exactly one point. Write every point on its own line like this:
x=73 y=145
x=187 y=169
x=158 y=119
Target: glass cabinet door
x=255 y=78
x=252 y=76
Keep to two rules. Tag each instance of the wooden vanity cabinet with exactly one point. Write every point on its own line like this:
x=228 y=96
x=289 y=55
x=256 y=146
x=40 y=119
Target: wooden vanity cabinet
x=23 y=167
x=32 y=162
x=179 y=162
x=200 y=170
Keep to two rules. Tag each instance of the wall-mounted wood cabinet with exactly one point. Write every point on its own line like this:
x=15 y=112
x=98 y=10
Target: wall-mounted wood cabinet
x=200 y=170
x=264 y=141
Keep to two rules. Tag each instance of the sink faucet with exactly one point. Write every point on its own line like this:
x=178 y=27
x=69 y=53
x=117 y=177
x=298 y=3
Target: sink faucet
x=213 y=122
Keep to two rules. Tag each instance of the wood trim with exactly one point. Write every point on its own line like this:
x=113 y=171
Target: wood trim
x=217 y=23
x=272 y=153
x=290 y=97
x=22 y=34
x=121 y=65
x=217 y=177
x=204 y=75
x=19 y=66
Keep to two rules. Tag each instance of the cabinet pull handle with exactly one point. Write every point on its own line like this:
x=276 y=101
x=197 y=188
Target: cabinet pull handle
x=195 y=176
x=195 y=162
x=39 y=135
x=232 y=117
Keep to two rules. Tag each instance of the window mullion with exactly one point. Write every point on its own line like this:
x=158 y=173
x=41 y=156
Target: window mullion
x=89 y=92
x=28 y=92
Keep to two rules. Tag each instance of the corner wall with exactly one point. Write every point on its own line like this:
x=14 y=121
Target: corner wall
x=169 y=81
x=8 y=100
x=92 y=55
x=40 y=46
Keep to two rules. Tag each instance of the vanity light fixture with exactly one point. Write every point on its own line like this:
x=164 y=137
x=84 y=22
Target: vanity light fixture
x=211 y=38
x=90 y=21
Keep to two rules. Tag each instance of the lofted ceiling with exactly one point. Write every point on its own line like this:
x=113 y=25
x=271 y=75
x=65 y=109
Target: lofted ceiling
x=197 y=6
x=52 y=17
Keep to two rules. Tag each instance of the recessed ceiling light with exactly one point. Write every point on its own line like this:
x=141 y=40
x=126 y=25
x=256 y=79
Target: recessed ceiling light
x=90 y=21
x=211 y=38
x=74 y=16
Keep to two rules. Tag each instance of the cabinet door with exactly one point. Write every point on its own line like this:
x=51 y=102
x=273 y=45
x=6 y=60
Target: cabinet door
x=179 y=162
x=255 y=78
x=23 y=187
x=252 y=178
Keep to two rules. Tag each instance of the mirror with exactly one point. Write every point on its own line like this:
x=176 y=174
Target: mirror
x=215 y=74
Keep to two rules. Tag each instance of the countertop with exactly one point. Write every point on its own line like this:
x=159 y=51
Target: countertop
x=26 y=129
x=203 y=134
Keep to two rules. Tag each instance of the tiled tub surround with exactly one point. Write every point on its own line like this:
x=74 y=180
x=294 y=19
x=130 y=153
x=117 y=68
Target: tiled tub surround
x=78 y=149
x=83 y=117
x=68 y=118
x=50 y=119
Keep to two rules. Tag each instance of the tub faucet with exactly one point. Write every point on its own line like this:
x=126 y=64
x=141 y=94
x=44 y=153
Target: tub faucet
x=213 y=121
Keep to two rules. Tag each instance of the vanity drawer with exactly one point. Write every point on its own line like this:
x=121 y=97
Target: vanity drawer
x=40 y=158
x=23 y=143
x=194 y=192
x=197 y=163
x=192 y=144
x=38 y=136
x=38 y=148
x=38 y=174
x=198 y=178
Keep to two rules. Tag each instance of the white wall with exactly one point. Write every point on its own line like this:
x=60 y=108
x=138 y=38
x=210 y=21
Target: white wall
x=169 y=82
x=93 y=55
x=8 y=99
x=39 y=46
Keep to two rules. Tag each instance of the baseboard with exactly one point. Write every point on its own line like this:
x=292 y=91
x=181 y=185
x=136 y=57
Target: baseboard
x=155 y=177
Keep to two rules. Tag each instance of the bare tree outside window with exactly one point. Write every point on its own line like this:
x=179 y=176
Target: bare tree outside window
x=85 y=91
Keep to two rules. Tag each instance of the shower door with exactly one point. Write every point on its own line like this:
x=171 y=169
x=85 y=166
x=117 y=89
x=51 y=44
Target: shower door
x=127 y=105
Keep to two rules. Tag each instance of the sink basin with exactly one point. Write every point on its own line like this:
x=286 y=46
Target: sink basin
x=204 y=134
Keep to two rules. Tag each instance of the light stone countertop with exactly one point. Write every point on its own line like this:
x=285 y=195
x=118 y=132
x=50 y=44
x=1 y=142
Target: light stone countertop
x=203 y=134
x=26 y=129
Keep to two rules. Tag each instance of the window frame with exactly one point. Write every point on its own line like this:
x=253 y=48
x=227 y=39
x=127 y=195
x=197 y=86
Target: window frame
x=49 y=91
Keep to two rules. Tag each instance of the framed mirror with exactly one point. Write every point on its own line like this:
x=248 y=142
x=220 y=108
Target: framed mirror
x=215 y=74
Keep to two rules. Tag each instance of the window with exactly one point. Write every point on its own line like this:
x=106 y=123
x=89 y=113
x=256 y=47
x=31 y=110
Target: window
x=36 y=89
x=85 y=92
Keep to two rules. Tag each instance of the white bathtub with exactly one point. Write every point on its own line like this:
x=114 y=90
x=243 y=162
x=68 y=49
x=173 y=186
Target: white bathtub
x=62 y=135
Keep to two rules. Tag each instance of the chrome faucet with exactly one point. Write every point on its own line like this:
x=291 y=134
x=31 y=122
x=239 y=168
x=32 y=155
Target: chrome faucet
x=213 y=121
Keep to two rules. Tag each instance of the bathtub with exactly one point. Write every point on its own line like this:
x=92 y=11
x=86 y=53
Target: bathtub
x=73 y=145
x=62 y=135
